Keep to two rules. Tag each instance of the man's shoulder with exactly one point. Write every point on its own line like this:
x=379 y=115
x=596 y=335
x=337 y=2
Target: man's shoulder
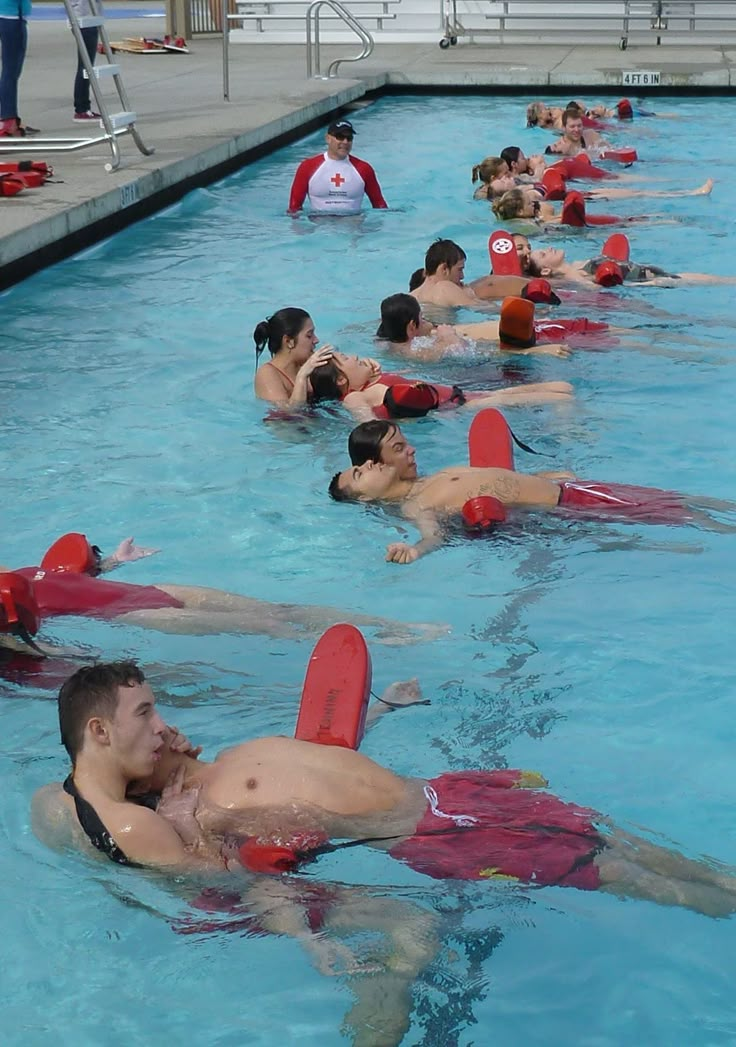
x=52 y=820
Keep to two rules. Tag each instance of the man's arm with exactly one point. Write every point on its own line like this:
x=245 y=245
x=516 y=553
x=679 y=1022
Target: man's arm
x=300 y=185
x=126 y=552
x=432 y=538
x=372 y=188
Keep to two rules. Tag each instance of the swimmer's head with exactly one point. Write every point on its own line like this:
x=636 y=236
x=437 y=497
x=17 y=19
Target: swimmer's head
x=515 y=159
x=363 y=483
x=490 y=168
x=523 y=250
x=339 y=139
x=548 y=260
x=416 y=279
x=383 y=441
x=572 y=121
x=93 y=694
x=340 y=375
x=401 y=319
x=515 y=204
x=446 y=259
x=539 y=115
x=290 y=331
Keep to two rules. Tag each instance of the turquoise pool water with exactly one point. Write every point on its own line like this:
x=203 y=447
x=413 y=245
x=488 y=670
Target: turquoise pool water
x=597 y=654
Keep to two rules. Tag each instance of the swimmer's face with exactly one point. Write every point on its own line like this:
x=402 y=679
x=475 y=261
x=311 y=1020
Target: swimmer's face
x=135 y=732
x=549 y=259
x=339 y=146
x=356 y=369
x=419 y=328
x=523 y=250
x=502 y=184
x=456 y=272
x=574 y=128
x=530 y=205
x=396 y=451
x=305 y=342
x=368 y=481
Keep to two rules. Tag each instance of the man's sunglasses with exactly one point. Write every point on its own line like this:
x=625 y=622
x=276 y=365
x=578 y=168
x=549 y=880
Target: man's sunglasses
x=343 y=138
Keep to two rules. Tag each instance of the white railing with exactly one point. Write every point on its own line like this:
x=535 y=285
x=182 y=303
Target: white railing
x=313 y=41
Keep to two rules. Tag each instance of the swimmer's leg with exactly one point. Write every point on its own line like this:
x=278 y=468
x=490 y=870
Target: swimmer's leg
x=211 y=611
x=534 y=393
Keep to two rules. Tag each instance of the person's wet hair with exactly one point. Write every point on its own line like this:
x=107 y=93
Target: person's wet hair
x=286 y=323
x=441 y=252
x=573 y=112
x=338 y=493
x=509 y=206
x=92 y=691
x=416 y=279
x=510 y=154
x=328 y=382
x=364 y=443
x=533 y=112
x=488 y=169
x=397 y=312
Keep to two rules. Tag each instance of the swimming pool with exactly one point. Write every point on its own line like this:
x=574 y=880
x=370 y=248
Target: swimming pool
x=599 y=655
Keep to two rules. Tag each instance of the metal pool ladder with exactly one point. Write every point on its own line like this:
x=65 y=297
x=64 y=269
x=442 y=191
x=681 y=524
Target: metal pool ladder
x=114 y=124
x=313 y=41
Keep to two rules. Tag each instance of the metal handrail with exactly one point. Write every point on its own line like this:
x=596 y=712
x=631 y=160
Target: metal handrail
x=312 y=26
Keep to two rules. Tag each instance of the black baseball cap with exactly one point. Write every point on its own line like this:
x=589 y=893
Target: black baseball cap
x=341 y=127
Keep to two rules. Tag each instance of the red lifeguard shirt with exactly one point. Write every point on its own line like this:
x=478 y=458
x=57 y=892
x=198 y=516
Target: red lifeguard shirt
x=334 y=186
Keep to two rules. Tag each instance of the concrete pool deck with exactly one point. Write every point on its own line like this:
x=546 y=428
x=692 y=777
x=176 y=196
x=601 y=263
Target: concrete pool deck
x=197 y=136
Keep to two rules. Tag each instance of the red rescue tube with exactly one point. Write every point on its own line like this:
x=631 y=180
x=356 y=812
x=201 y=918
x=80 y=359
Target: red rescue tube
x=502 y=252
x=11 y=184
x=580 y=167
x=594 y=123
x=481 y=513
x=490 y=444
x=71 y=553
x=553 y=181
x=624 y=109
x=540 y=291
x=574 y=213
x=18 y=607
x=621 y=156
x=617 y=247
x=336 y=690
x=26 y=166
x=609 y=274
x=268 y=856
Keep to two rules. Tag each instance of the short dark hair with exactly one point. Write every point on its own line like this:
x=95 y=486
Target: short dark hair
x=397 y=312
x=442 y=251
x=92 y=691
x=417 y=278
x=510 y=154
x=339 y=494
x=364 y=443
x=328 y=382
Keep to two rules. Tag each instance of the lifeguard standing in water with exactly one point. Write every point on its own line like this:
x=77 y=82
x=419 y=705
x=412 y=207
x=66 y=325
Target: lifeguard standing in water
x=335 y=181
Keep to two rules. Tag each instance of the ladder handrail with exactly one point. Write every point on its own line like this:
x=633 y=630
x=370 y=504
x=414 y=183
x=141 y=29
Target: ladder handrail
x=312 y=26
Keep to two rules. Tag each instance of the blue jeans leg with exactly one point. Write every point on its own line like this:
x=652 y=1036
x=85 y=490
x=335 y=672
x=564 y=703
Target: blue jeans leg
x=13 y=42
x=81 y=84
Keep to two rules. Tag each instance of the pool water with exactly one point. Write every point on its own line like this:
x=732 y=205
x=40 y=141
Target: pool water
x=599 y=654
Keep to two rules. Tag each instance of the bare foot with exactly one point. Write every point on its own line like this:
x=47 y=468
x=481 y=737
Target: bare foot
x=705 y=189
x=402 y=693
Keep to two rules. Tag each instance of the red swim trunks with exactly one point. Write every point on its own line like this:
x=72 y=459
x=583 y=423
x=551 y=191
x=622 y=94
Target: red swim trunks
x=647 y=504
x=579 y=330
x=474 y=830
x=64 y=593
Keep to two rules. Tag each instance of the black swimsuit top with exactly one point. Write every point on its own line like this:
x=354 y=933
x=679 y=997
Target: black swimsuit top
x=93 y=826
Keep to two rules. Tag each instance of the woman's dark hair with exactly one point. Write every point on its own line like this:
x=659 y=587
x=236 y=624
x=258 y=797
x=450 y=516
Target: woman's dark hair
x=327 y=382
x=397 y=312
x=510 y=154
x=416 y=279
x=286 y=323
x=92 y=691
x=364 y=443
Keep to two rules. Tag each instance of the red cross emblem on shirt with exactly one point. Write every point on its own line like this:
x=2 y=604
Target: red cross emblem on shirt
x=337 y=179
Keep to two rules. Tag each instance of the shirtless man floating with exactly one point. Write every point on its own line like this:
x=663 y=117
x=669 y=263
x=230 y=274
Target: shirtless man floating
x=294 y=796
x=430 y=501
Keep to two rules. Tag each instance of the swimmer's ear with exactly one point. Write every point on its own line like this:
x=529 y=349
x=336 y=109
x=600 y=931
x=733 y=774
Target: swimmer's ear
x=97 y=728
x=546 y=271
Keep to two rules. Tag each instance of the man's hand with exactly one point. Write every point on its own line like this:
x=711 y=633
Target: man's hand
x=126 y=552
x=401 y=552
x=554 y=349
x=179 y=743
x=178 y=804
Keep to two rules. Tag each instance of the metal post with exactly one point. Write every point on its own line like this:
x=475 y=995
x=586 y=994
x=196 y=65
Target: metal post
x=225 y=51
